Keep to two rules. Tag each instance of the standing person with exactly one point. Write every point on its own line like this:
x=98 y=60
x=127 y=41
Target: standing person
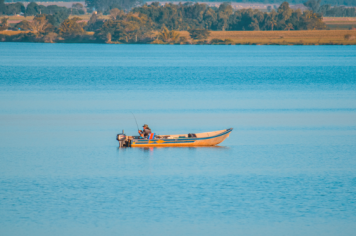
x=145 y=132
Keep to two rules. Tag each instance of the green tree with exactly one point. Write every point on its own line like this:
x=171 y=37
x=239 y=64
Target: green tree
x=289 y=27
x=3 y=23
x=132 y=28
x=272 y=22
x=313 y=5
x=77 y=6
x=224 y=12
x=2 y=7
x=108 y=27
x=94 y=23
x=71 y=28
x=105 y=5
x=32 y=9
x=246 y=19
x=295 y=19
x=210 y=18
x=59 y=17
x=53 y=9
x=23 y=25
x=312 y=20
x=14 y=8
x=114 y=13
x=39 y=24
x=168 y=36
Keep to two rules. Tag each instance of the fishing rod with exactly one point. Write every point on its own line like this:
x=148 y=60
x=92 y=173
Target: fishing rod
x=135 y=120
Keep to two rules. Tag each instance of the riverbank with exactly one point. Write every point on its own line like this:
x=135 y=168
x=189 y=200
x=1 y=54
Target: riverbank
x=301 y=37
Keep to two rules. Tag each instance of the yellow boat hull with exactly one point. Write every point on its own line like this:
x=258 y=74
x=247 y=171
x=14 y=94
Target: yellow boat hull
x=201 y=139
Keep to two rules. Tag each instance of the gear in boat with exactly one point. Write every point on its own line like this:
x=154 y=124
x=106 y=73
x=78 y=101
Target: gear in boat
x=148 y=139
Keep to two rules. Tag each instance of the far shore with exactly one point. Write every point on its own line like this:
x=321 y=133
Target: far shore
x=297 y=37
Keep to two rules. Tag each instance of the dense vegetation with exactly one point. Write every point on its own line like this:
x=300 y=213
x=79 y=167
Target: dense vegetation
x=201 y=16
x=331 y=2
x=106 y=5
x=141 y=24
x=33 y=9
x=328 y=10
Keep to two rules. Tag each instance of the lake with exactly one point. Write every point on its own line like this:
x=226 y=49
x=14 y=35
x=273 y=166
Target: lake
x=288 y=167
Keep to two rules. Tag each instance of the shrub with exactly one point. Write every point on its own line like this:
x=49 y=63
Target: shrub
x=222 y=42
x=199 y=33
x=347 y=36
x=216 y=41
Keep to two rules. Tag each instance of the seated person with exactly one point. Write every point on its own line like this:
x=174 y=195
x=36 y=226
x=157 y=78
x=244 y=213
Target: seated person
x=145 y=132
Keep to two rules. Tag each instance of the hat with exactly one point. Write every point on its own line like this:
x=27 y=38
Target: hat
x=145 y=125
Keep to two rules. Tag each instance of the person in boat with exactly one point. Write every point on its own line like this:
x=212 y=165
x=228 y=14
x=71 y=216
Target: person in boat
x=145 y=132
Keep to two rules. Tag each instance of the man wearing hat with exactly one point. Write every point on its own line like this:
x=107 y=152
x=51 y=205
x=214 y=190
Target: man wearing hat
x=145 y=132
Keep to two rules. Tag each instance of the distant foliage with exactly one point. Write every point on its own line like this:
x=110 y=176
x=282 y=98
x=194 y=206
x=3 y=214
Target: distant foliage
x=160 y=24
x=168 y=36
x=34 y=9
x=59 y=17
x=3 y=23
x=131 y=28
x=106 y=5
x=313 y=5
x=14 y=8
x=71 y=28
x=94 y=23
x=2 y=7
x=277 y=2
x=23 y=25
x=328 y=10
x=40 y=24
x=11 y=9
x=201 y=16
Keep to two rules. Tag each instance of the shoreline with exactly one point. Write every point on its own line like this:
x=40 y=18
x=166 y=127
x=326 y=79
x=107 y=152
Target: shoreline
x=302 y=37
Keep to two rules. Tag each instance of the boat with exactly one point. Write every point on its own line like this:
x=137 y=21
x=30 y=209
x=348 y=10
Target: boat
x=175 y=140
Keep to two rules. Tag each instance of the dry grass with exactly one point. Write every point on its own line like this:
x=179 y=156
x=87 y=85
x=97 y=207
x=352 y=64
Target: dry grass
x=339 y=19
x=9 y=33
x=85 y=17
x=283 y=37
x=18 y=18
x=340 y=23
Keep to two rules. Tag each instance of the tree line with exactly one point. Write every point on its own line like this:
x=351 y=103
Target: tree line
x=201 y=16
x=328 y=10
x=33 y=9
x=105 y=6
x=159 y=24
x=331 y=2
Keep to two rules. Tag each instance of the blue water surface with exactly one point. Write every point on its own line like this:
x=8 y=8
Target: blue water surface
x=288 y=167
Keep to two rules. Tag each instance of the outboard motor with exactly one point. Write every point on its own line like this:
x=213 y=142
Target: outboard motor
x=121 y=138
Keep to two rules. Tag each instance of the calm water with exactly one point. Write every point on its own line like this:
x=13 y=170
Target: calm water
x=288 y=168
